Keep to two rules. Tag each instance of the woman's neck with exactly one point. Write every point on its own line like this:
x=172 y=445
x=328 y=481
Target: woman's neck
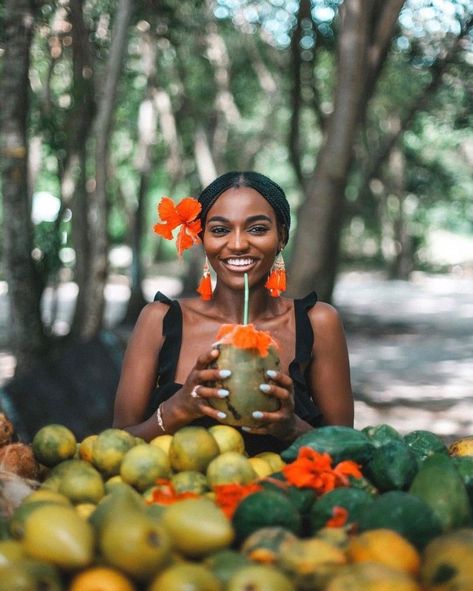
x=230 y=304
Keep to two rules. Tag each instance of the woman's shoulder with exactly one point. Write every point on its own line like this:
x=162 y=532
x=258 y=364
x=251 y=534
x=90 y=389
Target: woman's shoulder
x=154 y=312
x=324 y=316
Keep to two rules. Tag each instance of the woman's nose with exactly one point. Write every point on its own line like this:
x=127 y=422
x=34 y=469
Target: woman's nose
x=238 y=241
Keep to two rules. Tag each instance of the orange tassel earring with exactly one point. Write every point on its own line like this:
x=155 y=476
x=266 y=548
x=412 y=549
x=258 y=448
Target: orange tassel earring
x=276 y=282
x=205 y=285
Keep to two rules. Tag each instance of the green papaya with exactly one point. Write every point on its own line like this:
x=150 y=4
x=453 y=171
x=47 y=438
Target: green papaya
x=439 y=484
x=262 y=509
x=425 y=443
x=381 y=434
x=342 y=443
x=392 y=466
x=403 y=512
x=464 y=465
x=351 y=499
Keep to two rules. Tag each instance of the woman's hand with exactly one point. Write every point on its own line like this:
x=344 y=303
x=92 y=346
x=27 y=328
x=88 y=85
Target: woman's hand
x=281 y=423
x=192 y=400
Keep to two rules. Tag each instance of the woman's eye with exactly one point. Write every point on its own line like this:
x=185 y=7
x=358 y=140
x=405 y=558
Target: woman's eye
x=258 y=229
x=219 y=230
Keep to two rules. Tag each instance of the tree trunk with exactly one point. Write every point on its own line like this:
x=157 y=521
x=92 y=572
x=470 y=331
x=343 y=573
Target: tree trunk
x=364 y=36
x=93 y=293
x=315 y=255
x=24 y=287
x=74 y=180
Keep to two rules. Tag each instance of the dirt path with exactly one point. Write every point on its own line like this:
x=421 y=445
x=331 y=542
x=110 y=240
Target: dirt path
x=410 y=345
x=411 y=351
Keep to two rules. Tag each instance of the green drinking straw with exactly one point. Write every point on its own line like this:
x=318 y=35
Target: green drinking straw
x=245 y=304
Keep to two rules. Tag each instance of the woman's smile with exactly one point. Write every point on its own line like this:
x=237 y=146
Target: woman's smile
x=239 y=264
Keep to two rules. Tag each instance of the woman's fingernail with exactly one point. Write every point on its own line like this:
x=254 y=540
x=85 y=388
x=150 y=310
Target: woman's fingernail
x=257 y=414
x=221 y=415
x=271 y=373
x=264 y=387
x=225 y=373
x=222 y=393
x=247 y=429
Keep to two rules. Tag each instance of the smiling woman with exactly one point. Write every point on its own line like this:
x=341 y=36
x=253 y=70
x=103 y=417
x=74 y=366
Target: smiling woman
x=242 y=220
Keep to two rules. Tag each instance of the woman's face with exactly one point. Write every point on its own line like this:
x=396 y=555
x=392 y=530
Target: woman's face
x=241 y=236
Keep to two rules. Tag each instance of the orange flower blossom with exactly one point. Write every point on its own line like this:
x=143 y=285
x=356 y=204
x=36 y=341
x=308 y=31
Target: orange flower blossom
x=339 y=517
x=313 y=469
x=165 y=494
x=229 y=496
x=183 y=214
x=245 y=336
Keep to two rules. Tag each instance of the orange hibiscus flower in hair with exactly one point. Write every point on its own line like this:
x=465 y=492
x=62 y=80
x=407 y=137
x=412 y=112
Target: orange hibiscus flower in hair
x=183 y=214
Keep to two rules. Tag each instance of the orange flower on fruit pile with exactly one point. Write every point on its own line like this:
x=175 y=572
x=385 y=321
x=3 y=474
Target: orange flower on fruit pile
x=229 y=496
x=245 y=336
x=313 y=469
x=339 y=517
x=165 y=494
x=183 y=214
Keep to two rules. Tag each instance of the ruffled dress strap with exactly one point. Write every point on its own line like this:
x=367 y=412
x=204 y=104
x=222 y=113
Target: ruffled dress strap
x=305 y=407
x=169 y=354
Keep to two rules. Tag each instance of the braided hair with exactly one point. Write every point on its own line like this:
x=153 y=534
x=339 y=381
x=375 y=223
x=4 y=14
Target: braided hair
x=267 y=188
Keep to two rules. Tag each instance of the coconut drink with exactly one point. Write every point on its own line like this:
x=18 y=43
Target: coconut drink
x=248 y=353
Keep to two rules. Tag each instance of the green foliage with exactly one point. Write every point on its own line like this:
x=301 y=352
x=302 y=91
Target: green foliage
x=228 y=95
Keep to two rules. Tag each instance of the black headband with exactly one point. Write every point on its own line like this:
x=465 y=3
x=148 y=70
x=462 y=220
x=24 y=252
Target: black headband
x=267 y=188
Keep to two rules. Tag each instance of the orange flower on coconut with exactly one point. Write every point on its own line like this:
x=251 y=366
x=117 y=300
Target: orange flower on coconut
x=184 y=214
x=313 y=469
x=246 y=336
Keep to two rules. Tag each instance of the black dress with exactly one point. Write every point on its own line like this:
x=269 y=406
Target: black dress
x=304 y=405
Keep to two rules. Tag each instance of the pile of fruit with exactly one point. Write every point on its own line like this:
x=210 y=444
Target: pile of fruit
x=340 y=510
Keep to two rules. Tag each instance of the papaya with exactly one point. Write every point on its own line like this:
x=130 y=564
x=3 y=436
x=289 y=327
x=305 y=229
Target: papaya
x=265 y=544
x=381 y=434
x=464 y=465
x=424 y=443
x=447 y=563
x=403 y=512
x=225 y=563
x=441 y=487
x=301 y=498
x=262 y=509
x=248 y=372
x=351 y=499
x=310 y=563
x=259 y=577
x=392 y=466
x=342 y=443
x=371 y=576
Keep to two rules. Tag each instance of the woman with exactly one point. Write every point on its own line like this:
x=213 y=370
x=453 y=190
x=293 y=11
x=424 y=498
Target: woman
x=245 y=221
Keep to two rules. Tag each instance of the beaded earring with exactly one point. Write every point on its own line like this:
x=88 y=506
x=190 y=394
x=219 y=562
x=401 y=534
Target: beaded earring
x=276 y=282
x=205 y=285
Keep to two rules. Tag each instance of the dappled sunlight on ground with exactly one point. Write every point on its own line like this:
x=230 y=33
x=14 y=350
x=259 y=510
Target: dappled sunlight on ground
x=411 y=351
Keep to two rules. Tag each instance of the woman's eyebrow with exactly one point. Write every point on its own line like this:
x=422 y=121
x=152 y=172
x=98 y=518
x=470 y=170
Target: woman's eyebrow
x=249 y=220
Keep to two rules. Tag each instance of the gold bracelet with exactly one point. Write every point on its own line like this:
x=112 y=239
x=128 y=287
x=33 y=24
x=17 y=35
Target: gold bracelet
x=159 y=417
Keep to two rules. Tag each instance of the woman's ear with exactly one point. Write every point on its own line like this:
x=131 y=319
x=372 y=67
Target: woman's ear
x=282 y=236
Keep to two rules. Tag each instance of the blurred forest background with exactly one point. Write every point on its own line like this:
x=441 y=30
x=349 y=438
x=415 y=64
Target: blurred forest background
x=361 y=109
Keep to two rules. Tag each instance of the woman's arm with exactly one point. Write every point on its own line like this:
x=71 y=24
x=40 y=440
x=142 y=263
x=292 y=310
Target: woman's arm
x=138 y=379
x=330 y=368
x=139 y=372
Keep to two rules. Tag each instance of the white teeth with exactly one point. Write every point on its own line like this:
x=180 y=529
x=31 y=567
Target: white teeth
x=239 y=262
